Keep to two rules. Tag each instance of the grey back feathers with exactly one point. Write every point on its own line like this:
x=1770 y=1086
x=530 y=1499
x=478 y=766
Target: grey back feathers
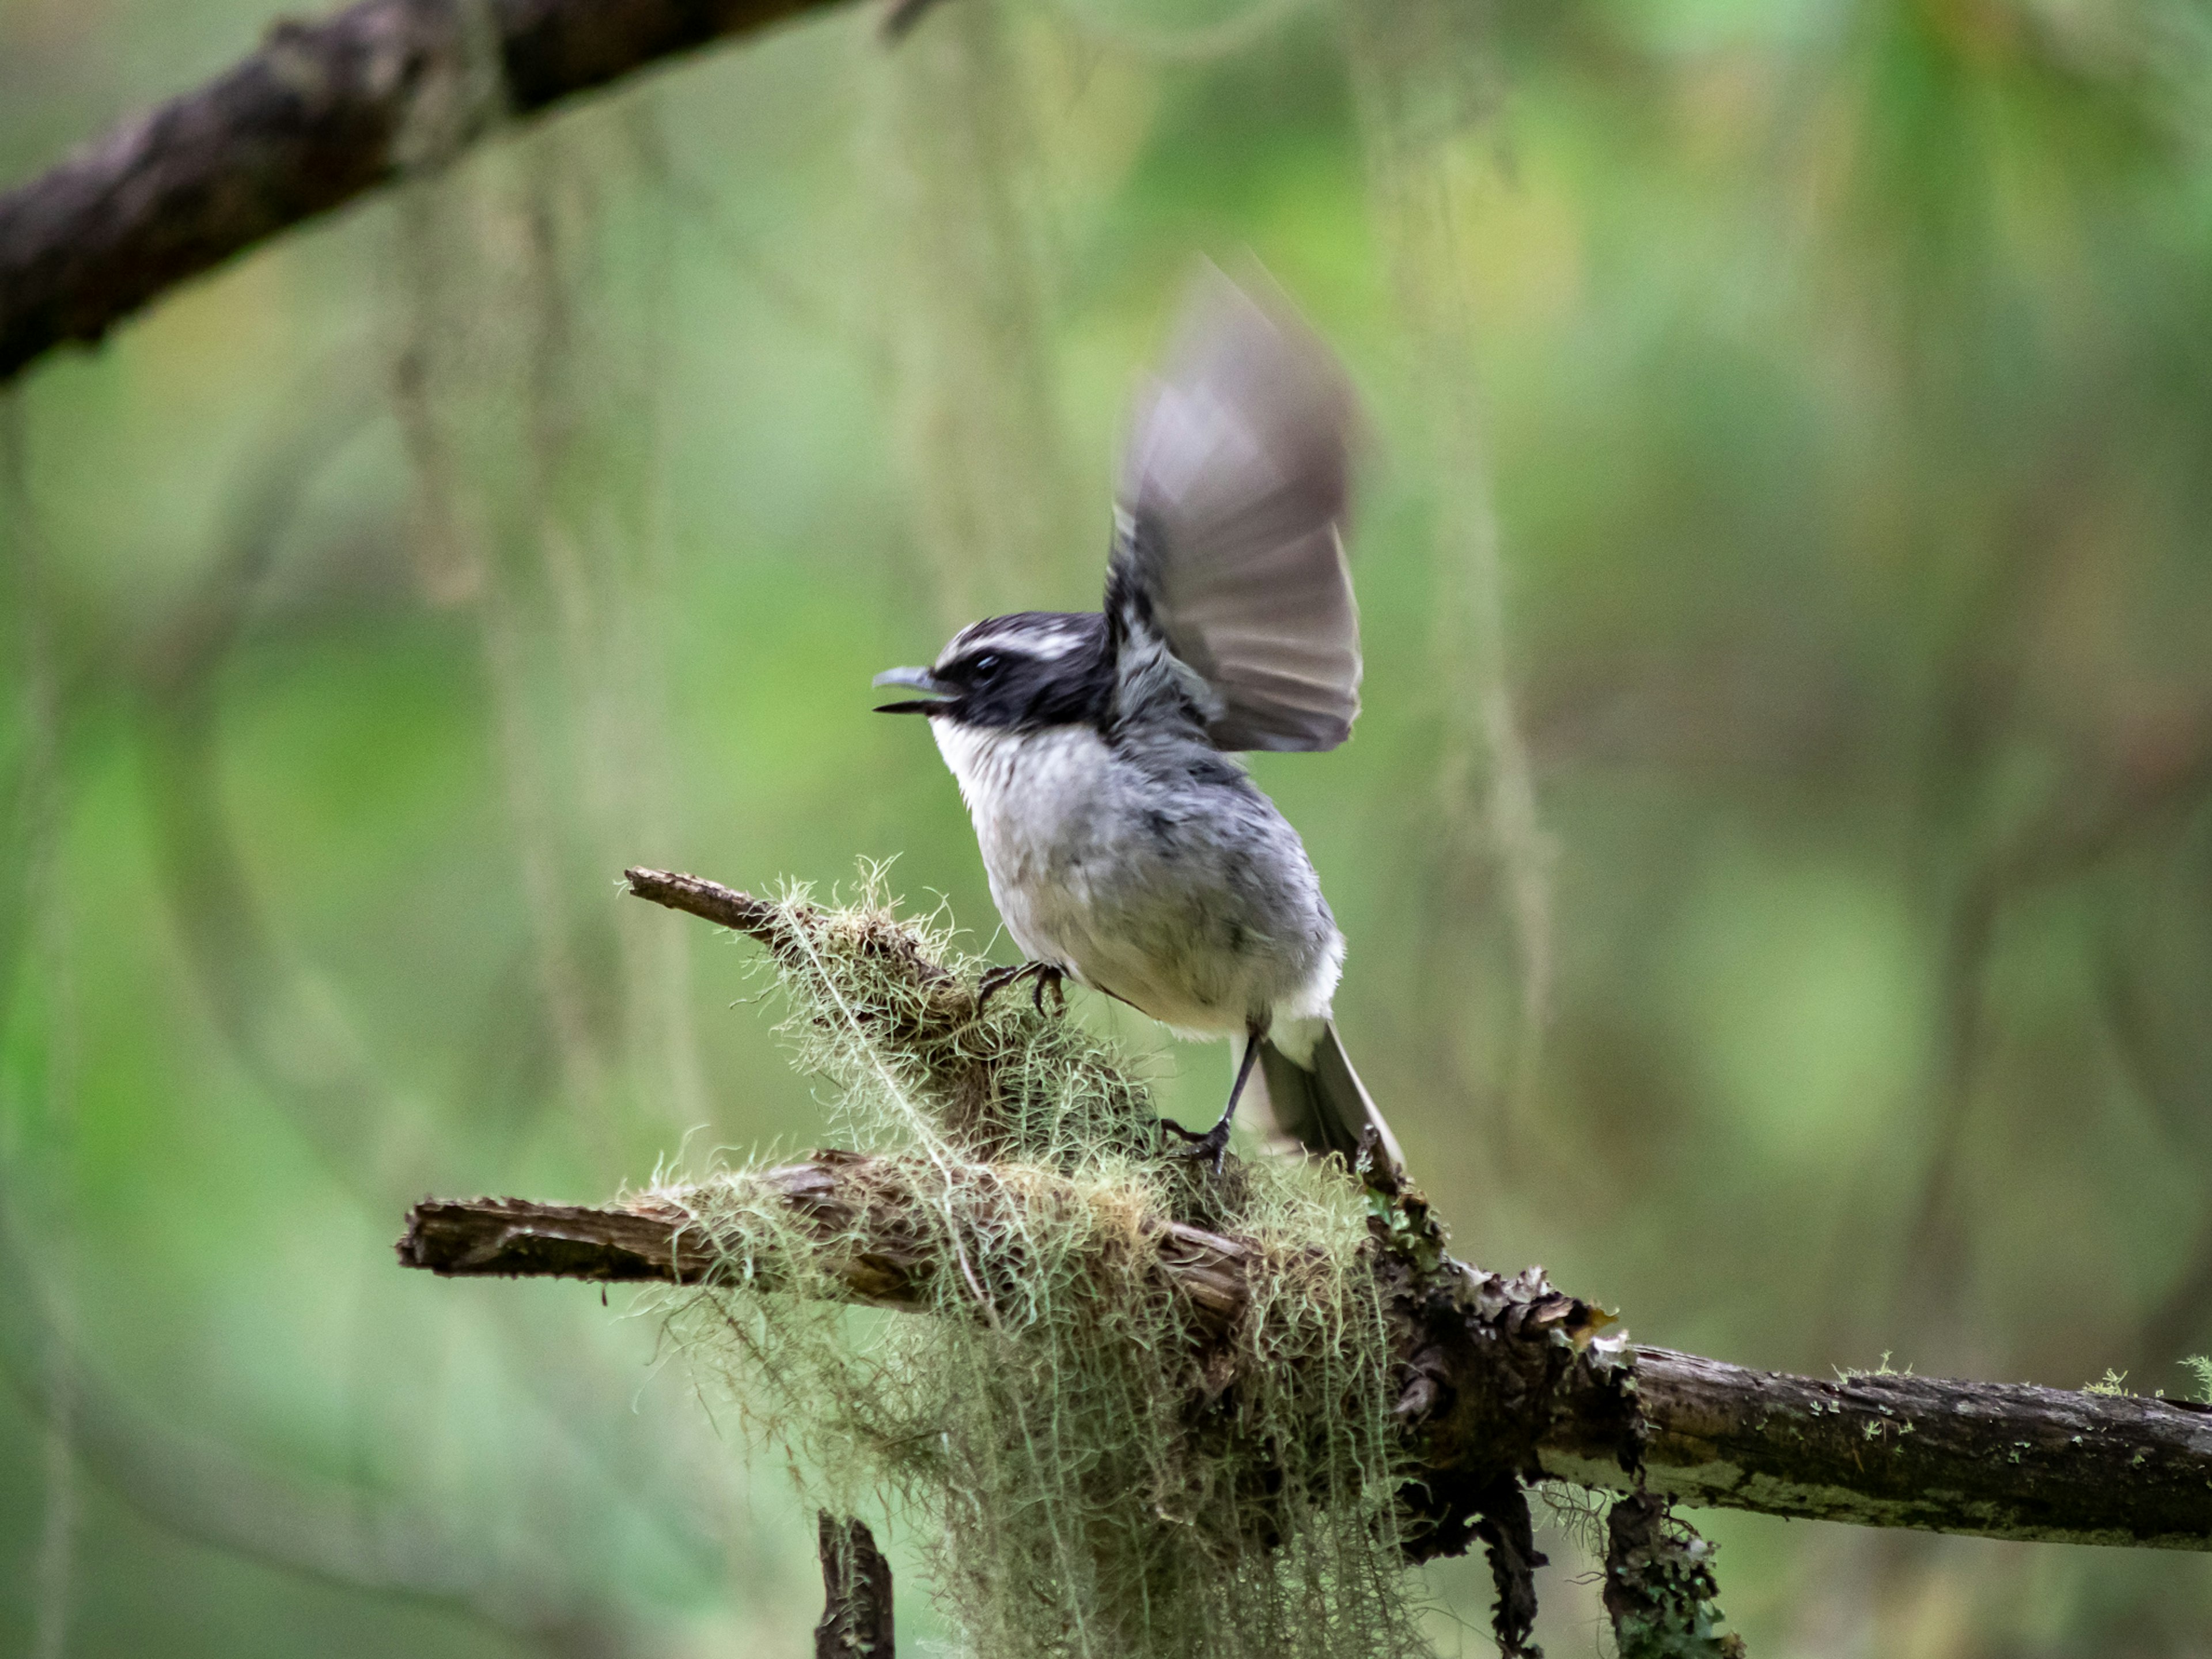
x=1234 y=491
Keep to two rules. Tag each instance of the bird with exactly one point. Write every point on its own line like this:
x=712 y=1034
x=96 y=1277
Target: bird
x=1125 y=846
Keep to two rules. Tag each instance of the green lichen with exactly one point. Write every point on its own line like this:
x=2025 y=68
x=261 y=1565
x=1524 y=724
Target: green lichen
x=1852 y=1373
x=1092 y=1474
x=1660 y=1588
x=2200 y=1366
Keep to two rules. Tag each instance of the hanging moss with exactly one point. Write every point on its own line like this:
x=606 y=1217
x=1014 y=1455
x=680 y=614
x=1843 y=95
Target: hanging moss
x=1096 y=1471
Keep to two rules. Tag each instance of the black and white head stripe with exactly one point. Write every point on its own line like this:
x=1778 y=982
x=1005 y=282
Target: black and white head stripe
x=1038 y=668
x=1043 y=635
x=1034 y=669
x=1228 y=603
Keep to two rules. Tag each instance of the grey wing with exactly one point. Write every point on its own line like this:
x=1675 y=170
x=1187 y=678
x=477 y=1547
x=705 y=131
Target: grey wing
x=1236 y=484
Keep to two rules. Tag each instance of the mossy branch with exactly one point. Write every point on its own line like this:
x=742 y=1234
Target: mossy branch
x=1291 y=1365
x=664 y=1235
x=1995 y=1460
x=321 y=114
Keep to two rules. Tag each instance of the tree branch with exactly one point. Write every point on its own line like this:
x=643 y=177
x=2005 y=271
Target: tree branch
x=1489 y=1382
x=710 y=900
x=1498 y=1382
x=1997 y=1460
x=322 y=113
x=659 y=1235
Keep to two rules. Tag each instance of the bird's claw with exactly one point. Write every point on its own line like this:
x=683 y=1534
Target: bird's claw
x=1044 y=974
x=1212 y=1145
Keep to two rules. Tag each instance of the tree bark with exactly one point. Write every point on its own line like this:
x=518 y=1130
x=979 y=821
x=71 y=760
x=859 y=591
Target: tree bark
x=1501 y=1374
x=320 y=114
x=659 y=1237
x=2001 y=1459
x=856 y=1593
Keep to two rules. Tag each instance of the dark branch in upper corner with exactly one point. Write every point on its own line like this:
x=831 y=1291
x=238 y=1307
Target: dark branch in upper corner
x=322 y=113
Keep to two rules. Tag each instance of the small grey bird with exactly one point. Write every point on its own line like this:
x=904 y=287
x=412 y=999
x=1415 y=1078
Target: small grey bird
x=1126 y=849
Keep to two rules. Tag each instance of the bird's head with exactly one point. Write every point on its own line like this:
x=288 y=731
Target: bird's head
x=1039 y=668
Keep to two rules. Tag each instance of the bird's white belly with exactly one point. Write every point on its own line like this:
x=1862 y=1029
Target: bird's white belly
x=1082 y=881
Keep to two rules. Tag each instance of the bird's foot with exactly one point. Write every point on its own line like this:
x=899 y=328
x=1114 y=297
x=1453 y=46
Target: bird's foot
x=1045 y=976
x=1211 y=1145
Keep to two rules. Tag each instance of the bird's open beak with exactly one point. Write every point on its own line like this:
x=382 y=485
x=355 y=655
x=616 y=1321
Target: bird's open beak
x=913 y=679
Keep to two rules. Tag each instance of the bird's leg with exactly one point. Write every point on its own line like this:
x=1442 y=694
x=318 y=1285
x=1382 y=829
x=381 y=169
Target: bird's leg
x=1043 y=973
x=1049 y=977
x=1213 y=1144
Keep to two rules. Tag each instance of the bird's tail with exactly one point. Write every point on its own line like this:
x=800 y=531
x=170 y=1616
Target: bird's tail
x=1316 y=1098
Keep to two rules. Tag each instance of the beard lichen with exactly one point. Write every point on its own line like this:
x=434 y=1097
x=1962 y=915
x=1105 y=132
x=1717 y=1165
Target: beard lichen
x=1092 y=1467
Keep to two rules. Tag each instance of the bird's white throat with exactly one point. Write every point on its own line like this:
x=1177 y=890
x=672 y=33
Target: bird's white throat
x=1001 y=771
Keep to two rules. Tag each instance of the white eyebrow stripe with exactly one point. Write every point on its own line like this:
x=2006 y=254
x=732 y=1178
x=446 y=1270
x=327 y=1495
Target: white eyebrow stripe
x=1047 y=644
x=1058 y=644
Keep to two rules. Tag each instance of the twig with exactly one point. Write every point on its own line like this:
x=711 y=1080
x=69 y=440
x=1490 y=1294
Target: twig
x=661 y=1236
x=710 y=901
x=856 y=1593
x=321 y=114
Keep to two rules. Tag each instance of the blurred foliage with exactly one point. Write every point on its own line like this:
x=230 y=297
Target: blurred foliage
x=1791 y=429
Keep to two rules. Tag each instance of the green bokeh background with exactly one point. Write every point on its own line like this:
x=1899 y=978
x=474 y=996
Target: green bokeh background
x=1836 y=378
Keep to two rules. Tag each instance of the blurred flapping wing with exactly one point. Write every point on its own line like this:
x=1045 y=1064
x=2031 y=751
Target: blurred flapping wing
x=1236 y=481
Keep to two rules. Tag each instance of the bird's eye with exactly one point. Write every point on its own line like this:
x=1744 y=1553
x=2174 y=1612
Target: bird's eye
x=985 y=667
